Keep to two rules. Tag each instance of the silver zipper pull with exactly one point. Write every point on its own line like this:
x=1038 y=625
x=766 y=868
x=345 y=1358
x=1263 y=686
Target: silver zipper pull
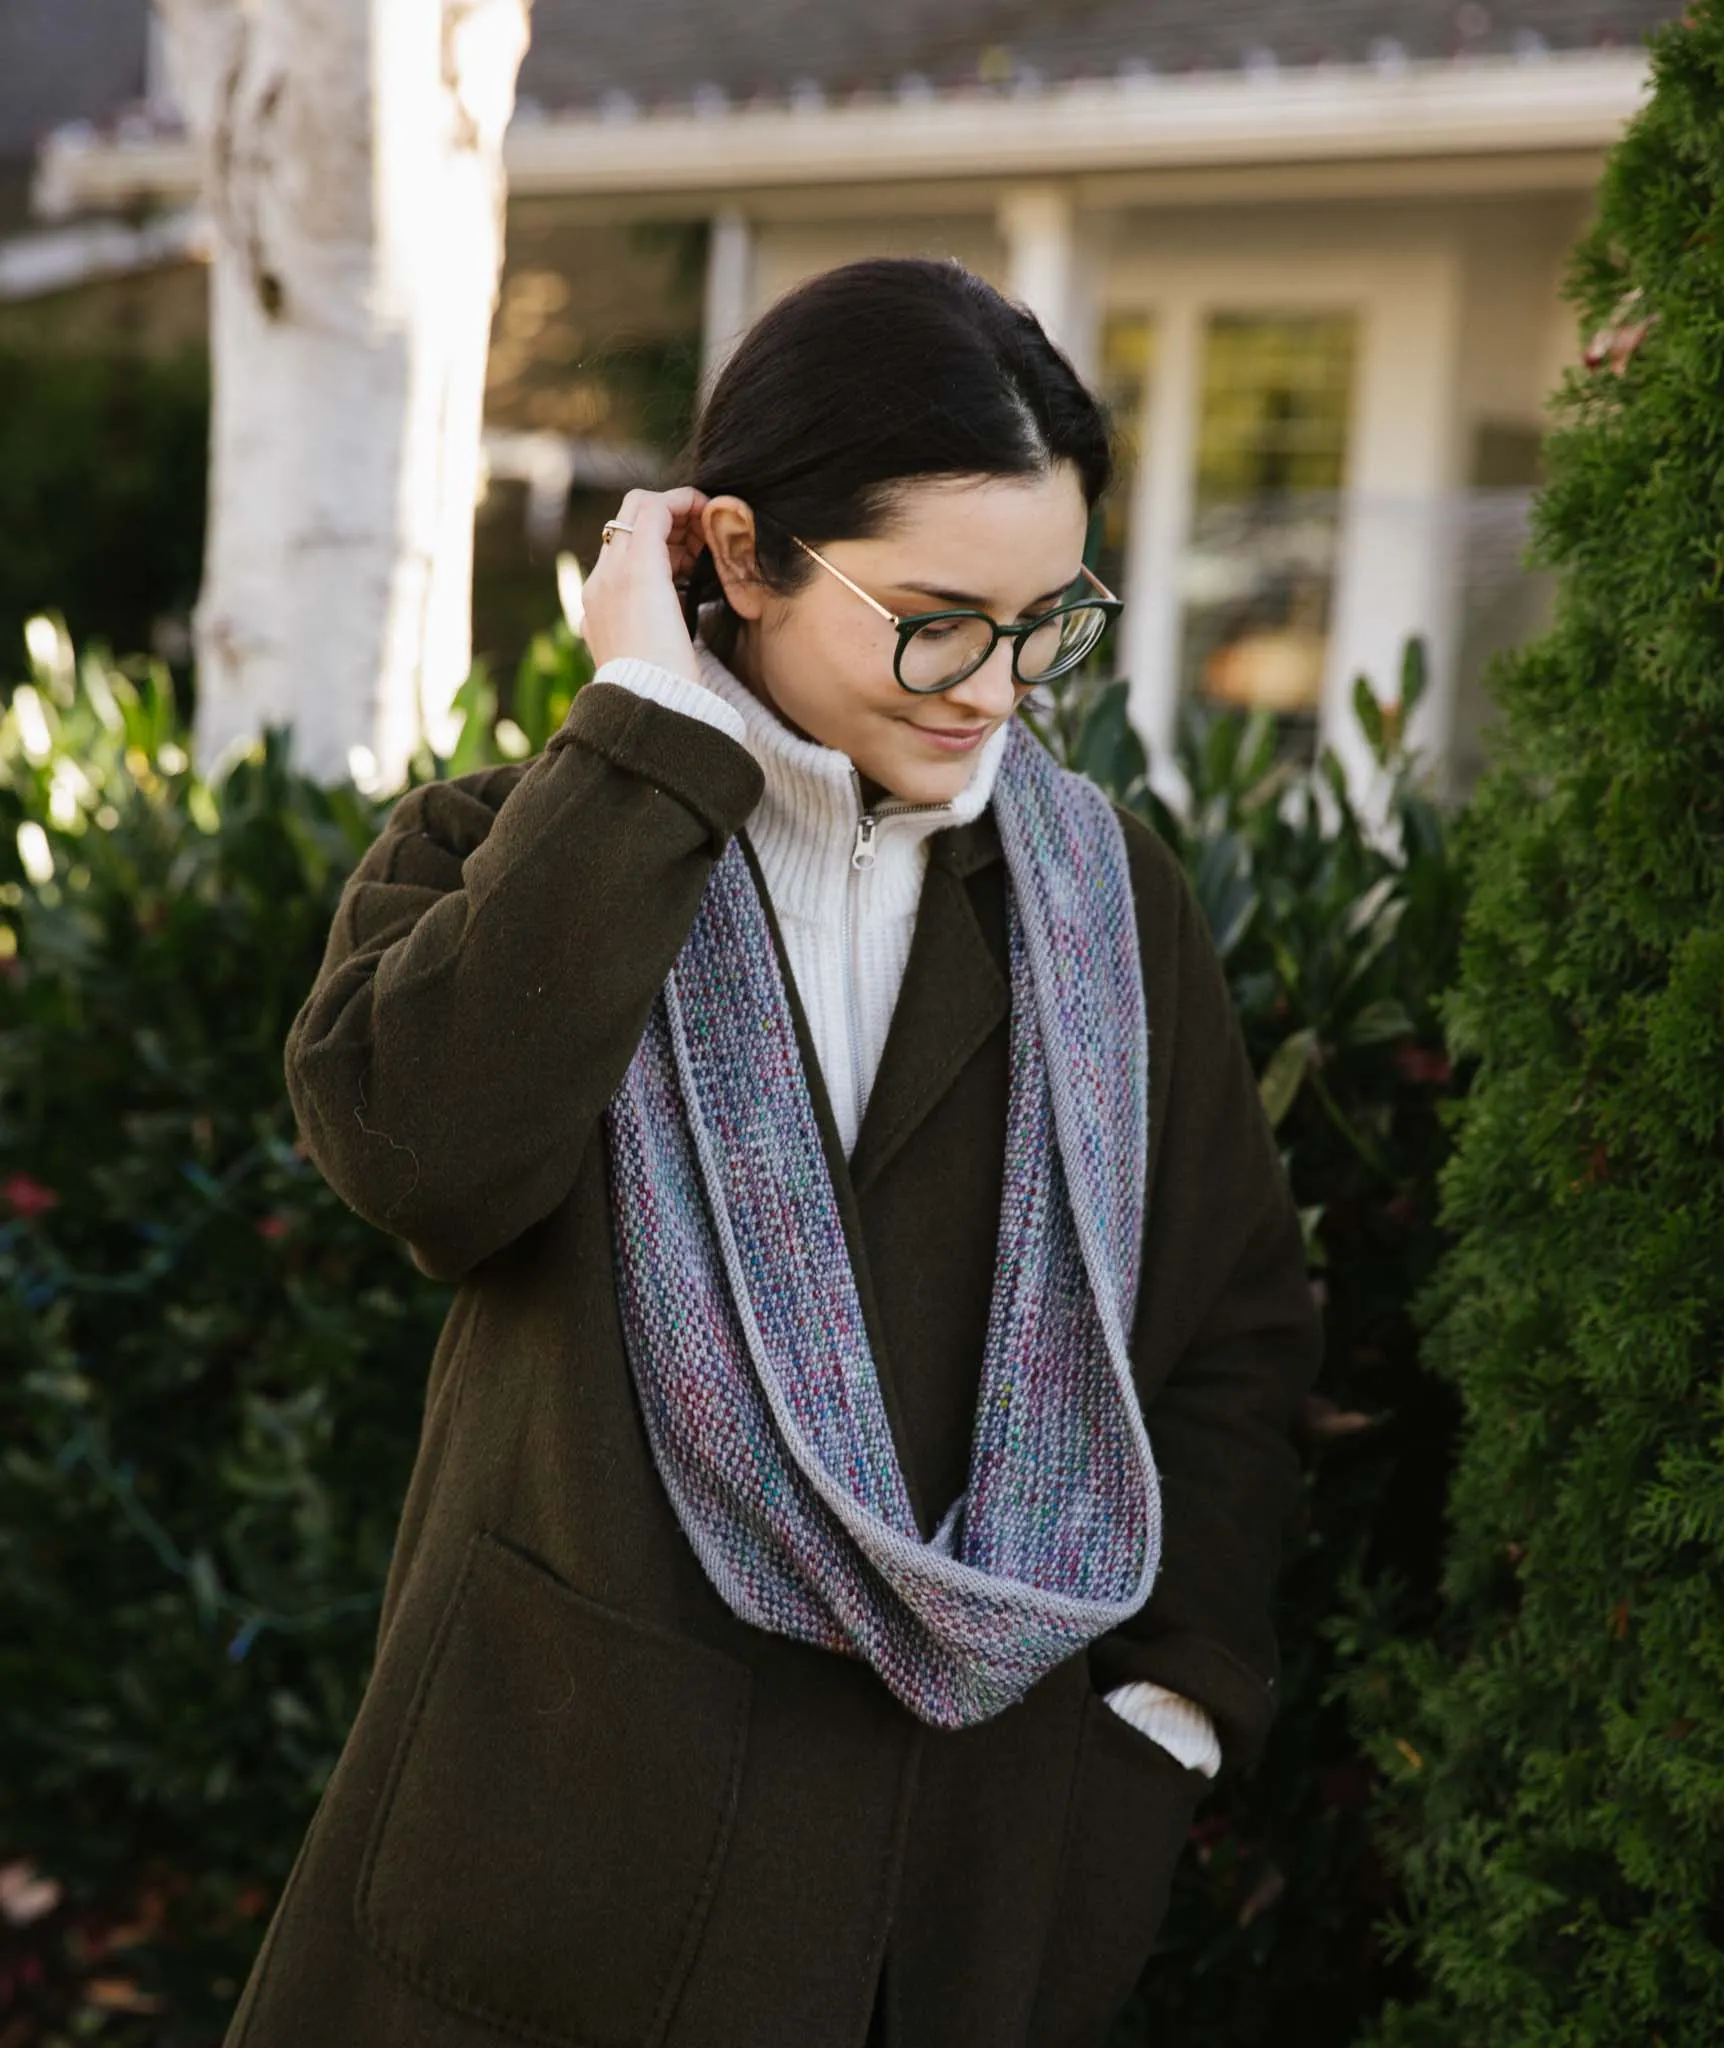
x=862 y=853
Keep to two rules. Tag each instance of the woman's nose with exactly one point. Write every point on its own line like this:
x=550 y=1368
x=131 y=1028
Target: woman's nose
x=990 y=692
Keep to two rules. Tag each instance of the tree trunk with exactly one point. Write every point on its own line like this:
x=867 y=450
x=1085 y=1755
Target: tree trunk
x=353 y=168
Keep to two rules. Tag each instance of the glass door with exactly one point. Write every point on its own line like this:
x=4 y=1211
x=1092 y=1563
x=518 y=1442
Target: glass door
x=1258 y=568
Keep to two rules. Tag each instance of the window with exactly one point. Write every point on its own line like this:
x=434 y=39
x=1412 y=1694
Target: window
x=1258 y=575
x=1127 y=363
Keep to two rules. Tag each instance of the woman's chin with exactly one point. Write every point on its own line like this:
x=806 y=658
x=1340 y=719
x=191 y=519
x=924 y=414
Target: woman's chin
x=909 y=779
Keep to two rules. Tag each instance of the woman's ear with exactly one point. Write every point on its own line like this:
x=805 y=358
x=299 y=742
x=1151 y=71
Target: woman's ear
x=728 y=525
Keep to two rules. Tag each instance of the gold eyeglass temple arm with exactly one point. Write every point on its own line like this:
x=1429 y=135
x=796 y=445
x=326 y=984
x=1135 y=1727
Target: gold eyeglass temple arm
x=833 y=568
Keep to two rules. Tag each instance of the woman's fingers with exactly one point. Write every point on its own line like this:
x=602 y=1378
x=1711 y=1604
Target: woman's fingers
x=670 y=517
x=686 y=541
x=630 y=599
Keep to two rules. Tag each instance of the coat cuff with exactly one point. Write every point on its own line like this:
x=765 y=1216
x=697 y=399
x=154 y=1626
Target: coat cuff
x=1178 y=1724
x=702 y=767
x=1241 y=1702
x=674 y=692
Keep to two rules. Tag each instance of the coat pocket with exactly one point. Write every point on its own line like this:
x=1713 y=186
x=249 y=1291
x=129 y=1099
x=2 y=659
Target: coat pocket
x=1131 y=1806
x=556 y=1813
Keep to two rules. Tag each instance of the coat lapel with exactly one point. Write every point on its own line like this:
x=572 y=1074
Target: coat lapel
x=844 y=1193
x=955 y=992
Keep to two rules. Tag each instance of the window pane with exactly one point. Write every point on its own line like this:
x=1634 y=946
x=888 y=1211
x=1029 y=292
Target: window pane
x=1259 y=568
x=1127 y=362
x=1060 y=643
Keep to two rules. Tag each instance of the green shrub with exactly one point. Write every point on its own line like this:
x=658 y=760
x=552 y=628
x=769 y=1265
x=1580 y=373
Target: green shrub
x=1554 y=1754
x=213 y=1369
x=102 y=461
x=1336 y=939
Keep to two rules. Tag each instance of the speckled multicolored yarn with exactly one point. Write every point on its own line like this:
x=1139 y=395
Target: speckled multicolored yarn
x=745 y=1331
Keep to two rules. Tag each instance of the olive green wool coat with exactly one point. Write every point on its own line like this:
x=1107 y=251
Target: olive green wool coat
x=582 y=1804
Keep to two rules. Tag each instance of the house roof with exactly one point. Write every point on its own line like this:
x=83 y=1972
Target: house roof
x=672 y=53
x=62 y=62
x=88 y=62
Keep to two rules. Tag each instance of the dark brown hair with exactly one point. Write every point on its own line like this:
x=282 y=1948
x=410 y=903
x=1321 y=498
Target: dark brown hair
x=864 y=378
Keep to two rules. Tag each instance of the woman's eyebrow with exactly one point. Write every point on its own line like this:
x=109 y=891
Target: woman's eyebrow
x=965 y=597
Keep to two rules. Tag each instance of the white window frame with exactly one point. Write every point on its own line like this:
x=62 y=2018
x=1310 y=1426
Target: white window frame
x=1395 y=567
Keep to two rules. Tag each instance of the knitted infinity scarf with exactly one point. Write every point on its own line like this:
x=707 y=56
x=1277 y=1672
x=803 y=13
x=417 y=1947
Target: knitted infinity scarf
x=744 y=1328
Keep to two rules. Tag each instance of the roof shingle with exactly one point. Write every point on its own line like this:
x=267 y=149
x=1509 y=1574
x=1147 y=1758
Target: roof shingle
x=63 y=62
x=668 y=51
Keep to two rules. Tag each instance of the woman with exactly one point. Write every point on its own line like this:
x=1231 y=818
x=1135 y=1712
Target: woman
x=856 y=1460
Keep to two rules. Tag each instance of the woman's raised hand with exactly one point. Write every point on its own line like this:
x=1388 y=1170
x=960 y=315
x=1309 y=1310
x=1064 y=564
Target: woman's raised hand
x=630 y=599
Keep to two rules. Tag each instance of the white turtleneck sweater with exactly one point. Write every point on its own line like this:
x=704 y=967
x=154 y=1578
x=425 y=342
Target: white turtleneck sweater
x=845 y=894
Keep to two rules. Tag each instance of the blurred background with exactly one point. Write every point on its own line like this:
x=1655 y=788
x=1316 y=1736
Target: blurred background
x=1311 y=256
x=330 y=333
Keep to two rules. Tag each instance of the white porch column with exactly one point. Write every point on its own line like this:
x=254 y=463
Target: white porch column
x=1396 y=573
x=729 y=307
x=1160 y=527
x=1039 y=227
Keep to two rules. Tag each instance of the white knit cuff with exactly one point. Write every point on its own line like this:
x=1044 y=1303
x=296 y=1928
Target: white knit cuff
x=1178 y=1724
x=676 y=693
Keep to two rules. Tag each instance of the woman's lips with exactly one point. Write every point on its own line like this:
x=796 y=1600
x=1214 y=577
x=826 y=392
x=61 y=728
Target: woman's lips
x=954 y=740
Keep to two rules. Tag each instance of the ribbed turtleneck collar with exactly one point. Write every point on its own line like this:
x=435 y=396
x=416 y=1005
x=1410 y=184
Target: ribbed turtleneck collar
x=804 y=826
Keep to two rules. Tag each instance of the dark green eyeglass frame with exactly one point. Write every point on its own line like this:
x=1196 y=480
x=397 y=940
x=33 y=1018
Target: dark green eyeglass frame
x=910 y=622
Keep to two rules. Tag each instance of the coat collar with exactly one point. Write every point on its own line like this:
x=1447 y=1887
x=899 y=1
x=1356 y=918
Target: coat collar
x=953 y=996
x=965 y=848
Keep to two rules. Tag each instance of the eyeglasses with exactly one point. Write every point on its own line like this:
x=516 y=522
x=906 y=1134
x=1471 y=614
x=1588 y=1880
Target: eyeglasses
x=938 y=649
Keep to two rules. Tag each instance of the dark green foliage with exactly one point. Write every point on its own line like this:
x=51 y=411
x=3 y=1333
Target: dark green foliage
x=1336 y=940
x=1554 y=1754
x=553 y=668
x=212 y=1370
x=102 y=460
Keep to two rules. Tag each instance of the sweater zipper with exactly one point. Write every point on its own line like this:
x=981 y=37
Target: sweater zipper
x=862 y=857
x=867 y=822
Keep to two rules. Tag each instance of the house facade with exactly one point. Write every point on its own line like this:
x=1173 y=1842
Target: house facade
x=1312 y=258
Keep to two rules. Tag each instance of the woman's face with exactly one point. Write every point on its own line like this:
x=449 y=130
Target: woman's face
x=822 y=658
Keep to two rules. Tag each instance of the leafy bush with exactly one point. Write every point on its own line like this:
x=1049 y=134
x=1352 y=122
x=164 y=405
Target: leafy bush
x=1554 y=1752
x=102 y=460
x=215 y=1371
x=1337 y=937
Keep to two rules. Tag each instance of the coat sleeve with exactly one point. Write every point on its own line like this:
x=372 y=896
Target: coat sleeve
x=1227 y=1337
x=491 y=966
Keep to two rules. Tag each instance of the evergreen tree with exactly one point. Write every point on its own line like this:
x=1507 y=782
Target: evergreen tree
x=1553 y=1756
